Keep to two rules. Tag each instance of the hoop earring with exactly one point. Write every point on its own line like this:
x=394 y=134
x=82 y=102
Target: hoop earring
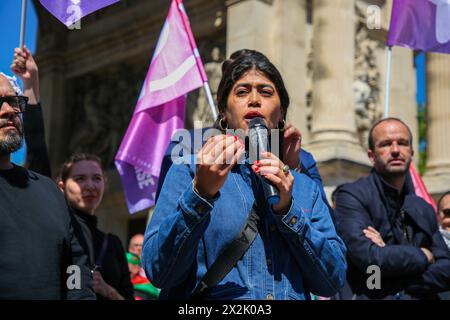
x=221 y=124
x=281 y=125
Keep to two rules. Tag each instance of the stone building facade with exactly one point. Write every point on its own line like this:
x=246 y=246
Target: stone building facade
x=328 y=51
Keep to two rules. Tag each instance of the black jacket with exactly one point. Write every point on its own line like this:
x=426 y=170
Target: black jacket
x=114 y=265
x=38 y=247
x=405 y=272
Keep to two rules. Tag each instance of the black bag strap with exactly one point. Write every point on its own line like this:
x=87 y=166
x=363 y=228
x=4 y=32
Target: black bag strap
x=101 y=255
x=229 y=256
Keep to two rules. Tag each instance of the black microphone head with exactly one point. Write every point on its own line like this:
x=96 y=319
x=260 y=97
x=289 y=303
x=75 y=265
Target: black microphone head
x=257 y=121
x=259 y=137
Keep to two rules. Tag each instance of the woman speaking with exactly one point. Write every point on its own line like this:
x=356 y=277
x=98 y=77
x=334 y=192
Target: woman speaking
x=213 y=234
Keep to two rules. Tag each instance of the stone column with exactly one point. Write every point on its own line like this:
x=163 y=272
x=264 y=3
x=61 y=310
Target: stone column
x=333 y=124
x=248 y=25
x=437 y=176
x=277 y=28
x=289 y=55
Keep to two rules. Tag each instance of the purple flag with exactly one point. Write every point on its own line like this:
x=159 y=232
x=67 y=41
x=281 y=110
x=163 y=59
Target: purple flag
x=175 y=70
x=421 y=25
x=70 y=11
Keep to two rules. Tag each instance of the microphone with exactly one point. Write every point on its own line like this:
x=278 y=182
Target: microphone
x=259 y=142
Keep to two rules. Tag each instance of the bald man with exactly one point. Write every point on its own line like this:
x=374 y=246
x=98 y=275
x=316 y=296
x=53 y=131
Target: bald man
x=143 y=289
x=40 y=257
x=135 y=245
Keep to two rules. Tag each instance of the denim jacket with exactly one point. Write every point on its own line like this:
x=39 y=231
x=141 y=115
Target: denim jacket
x=292 y=254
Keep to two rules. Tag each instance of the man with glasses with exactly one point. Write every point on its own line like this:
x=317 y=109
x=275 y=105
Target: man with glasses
x=40 y=258
x=10 y=126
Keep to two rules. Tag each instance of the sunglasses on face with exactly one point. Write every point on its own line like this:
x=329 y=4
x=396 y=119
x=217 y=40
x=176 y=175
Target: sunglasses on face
x=17 y=103
x=446 y=212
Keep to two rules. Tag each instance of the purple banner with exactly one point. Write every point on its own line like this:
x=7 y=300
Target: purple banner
x=175 y=70
x=70 y=11
x=421 y=25
x=139 y=158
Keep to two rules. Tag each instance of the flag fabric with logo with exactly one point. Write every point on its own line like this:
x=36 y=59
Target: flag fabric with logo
x=175 y=70
x=421 y=25
x=66 y=10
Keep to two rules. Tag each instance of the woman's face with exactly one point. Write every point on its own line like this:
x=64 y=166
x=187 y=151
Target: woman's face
x=253 y=95
x=85 y=186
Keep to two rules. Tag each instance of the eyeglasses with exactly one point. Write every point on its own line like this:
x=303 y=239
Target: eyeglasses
x=446 y=212
x=18 y=103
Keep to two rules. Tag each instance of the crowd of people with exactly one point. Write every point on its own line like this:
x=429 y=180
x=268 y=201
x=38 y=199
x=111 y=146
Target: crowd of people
x=214 y=234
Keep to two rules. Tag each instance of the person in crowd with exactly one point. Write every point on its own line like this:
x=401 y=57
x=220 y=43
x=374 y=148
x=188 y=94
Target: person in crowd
x=135 y=245
x=203 y=206
x=83 y=181
x=106 y=254
x=40 y=256
x=444 y=217
x=395 y=250
x=444 y=227
x=143 y=288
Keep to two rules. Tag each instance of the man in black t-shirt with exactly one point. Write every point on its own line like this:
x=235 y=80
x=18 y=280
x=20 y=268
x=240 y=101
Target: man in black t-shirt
x=40 y=258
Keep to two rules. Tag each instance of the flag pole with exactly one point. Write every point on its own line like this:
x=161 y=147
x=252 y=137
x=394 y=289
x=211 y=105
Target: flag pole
x=197 y=56
x=388 y=81
x=210 y=99
x=23 y=23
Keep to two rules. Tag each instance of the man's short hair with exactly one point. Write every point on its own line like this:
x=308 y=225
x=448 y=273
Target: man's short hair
x=371 y=143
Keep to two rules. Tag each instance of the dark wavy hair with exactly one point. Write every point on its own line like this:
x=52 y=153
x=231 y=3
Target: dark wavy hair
x=241 y=62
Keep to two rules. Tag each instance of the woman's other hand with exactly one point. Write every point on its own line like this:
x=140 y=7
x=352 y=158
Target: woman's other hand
x=291 y=146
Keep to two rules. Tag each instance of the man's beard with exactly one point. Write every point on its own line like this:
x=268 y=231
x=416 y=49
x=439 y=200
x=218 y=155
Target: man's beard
x=12 y=141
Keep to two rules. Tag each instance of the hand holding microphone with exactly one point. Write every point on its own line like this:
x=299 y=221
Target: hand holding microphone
x=276 y=179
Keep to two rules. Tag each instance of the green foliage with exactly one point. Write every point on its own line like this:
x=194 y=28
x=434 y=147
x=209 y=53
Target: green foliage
x=421 y=119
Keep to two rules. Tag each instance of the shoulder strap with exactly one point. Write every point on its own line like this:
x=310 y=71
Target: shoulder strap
x=229 y=256
x=101 y=255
